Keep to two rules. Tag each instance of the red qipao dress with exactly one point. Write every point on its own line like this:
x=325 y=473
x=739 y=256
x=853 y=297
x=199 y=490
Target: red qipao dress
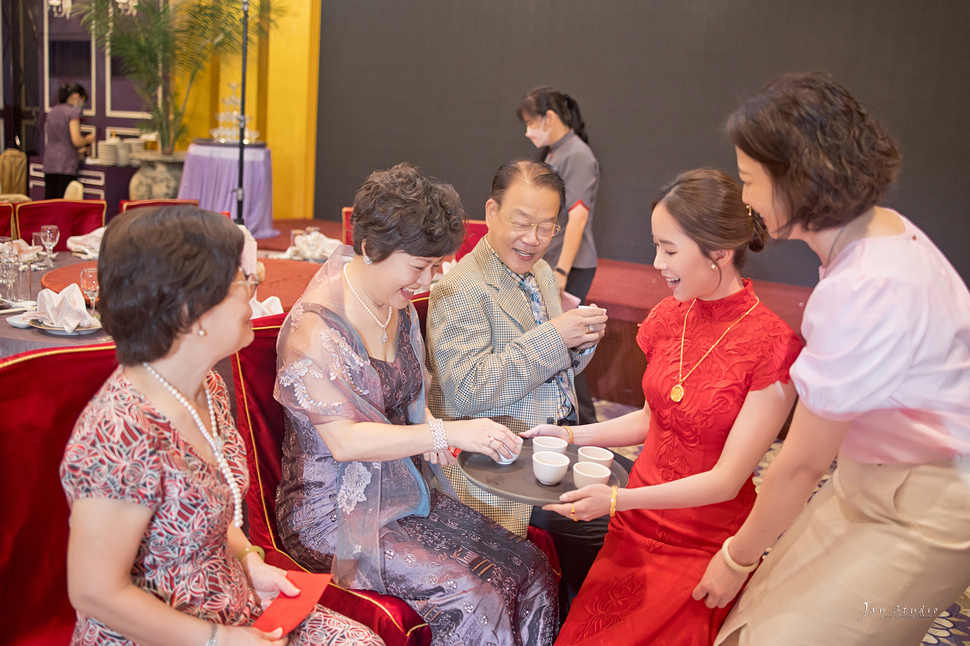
x=639 y=588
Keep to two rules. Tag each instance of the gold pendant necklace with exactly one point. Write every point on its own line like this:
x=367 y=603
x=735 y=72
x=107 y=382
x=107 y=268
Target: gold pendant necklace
x=677 y=392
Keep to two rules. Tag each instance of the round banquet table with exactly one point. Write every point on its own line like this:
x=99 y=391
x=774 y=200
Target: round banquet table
x=284 y=278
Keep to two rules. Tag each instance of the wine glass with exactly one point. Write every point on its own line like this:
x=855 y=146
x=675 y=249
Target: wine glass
x=49 y=236
x=89 y=285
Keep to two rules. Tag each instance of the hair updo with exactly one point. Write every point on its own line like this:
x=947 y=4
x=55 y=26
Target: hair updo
x=707 y=205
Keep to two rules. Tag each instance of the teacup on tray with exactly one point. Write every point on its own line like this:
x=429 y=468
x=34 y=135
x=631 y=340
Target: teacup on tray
x=549 y=467
x=587 y=473
x=549 y=443
x=597 y=455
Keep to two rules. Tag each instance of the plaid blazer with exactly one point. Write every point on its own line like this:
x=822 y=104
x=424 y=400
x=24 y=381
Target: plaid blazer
x=488 y=358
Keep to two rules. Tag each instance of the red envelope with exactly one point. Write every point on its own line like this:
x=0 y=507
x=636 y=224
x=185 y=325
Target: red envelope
x=287 y=612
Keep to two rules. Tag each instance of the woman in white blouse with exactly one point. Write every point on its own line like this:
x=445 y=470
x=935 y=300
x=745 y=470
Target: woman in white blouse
x=884 y=386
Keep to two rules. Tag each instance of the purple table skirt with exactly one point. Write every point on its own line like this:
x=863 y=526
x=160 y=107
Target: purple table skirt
x=212 y=172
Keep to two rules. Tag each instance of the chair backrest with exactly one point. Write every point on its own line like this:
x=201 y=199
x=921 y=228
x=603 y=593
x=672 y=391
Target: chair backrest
x=74 y=190
x=475 y=230
x=72 y=217
x=261 y=422
x=44 y=391
x=6 y=220
x=126 y=205
x=347 y=231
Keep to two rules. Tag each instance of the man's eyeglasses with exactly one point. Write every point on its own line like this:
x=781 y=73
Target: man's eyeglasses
x=249 y=280
x=543 y=230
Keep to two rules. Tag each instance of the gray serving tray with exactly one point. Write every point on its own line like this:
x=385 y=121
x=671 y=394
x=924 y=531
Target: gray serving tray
x=517 y=482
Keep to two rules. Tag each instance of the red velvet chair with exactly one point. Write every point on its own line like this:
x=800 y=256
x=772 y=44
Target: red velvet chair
x=475 y=230
x=347 y=232
x=44 y=391
x=125 y=205
x=6 y=219
x=73 y=218
x=261 y=422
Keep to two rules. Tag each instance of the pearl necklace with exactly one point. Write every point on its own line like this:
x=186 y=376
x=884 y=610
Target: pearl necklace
x=390 y=310
x=214 y=440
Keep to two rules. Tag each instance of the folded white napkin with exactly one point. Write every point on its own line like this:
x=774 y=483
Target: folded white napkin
x=88 y=244
x=314 y=246
x=268 y=307
x=26 y=252
x=64 y=310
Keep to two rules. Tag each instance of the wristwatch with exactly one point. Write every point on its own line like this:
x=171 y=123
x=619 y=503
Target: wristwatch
x=560 y=270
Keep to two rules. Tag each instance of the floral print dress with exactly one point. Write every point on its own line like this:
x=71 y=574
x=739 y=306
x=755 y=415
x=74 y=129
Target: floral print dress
x=122 y=448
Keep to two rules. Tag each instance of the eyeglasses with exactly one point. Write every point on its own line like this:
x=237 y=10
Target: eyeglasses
x=249 y=280
x=543 y=230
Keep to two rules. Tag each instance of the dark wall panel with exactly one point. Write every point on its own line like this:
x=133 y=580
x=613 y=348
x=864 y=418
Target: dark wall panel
x=435 y=82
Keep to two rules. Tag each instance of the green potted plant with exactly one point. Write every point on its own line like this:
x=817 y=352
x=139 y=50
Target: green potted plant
x=163 y=45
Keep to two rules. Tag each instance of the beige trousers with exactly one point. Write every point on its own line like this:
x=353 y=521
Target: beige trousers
x=875 y=556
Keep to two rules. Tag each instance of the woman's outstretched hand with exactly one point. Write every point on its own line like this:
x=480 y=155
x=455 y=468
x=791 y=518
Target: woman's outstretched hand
x=482 y=435
x=546 y=430
x=719 y=584
x=268 y=581
x=587 y=503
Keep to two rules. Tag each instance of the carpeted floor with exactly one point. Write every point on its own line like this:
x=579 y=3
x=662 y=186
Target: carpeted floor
x=951 y=628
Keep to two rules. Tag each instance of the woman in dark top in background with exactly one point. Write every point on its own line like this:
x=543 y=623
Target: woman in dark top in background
x=64 y=140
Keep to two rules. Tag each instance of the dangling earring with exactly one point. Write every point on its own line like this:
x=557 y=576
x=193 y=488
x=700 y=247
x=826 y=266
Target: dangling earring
x=367 y=260
x=750 y=213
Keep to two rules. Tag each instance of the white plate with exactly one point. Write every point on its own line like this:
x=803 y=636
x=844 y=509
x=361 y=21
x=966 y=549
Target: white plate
x=52 y=329
x=18 y=320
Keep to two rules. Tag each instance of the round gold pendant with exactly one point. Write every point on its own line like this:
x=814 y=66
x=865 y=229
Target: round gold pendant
x=677 y=393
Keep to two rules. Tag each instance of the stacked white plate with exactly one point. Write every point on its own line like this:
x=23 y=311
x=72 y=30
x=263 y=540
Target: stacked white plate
x=108 y=152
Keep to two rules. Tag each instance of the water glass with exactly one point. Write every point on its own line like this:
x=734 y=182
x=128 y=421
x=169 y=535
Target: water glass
x=16 y=280
x=89 y=285
x=49 y=236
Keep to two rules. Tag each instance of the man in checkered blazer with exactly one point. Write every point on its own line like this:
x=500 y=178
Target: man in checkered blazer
x=500 y=346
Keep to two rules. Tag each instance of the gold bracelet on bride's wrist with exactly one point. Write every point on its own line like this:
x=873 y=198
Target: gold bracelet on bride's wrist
x=569 y=431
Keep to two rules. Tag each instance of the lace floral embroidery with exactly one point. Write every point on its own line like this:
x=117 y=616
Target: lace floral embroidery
x=292 y=376
x=355 y=479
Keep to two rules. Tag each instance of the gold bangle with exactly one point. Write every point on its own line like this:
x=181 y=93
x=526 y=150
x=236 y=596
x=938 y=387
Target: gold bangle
x=613 y=503
x=734 y=565
x=252 y=548
x=572 y=440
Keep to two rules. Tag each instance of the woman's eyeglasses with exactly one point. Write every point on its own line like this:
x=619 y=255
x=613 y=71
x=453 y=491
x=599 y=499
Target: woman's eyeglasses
x=249 y=280
x=543 y=230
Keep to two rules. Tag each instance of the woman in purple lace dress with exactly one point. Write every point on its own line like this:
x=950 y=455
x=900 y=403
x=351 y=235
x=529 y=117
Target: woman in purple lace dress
x=362 y=493
x=155 y=470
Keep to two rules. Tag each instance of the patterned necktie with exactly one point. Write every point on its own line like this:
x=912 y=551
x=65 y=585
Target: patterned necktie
x=531 y=288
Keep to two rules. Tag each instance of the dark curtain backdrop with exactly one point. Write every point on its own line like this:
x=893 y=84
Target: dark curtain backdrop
x=435 y=82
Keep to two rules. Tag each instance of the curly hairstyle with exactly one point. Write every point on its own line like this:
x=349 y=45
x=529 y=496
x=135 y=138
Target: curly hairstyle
x=160 y=269
x=402 y=209
x=707 y=205
x=830 y=158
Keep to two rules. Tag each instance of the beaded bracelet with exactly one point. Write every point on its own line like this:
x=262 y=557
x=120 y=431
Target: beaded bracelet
x=439 y=437
x=572 y=440
x=734 y=565
x=252 y=548
x=213 y=633
x=613 y=503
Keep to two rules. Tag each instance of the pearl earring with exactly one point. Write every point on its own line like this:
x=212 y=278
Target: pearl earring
x=713 y=266
x=202 y=332
x=367 y=260
x=749 y=210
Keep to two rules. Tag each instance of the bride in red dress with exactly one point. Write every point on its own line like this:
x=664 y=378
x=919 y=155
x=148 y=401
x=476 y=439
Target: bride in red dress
x=717 y=393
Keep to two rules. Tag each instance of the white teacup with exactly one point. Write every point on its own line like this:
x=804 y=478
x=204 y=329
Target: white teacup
x=549 y=443
x=504 y=461
x=596 y=455
x=549 y=467
x=587 y=473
